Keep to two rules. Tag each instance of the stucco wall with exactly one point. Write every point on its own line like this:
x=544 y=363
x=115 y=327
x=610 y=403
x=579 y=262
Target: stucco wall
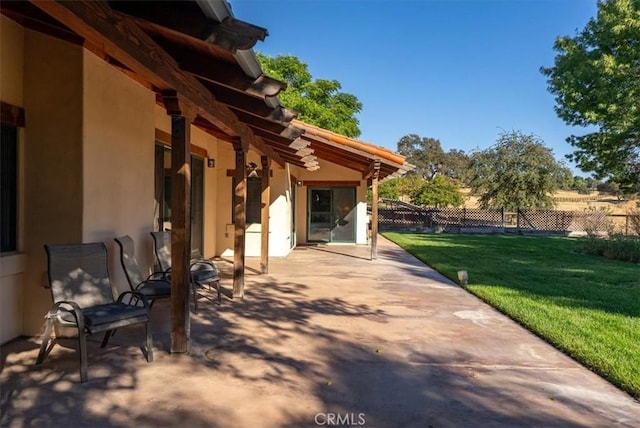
x=280 y=212
x=11 y=65
x=331 y=172
x=53 y=161
x=118 y=162
x=12 y=265
x=213 y=205
x=279 y=209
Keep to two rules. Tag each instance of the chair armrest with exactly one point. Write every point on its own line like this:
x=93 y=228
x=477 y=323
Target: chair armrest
x=136 y=294
x=204 y=262
x=75 y=311
x=158 y=275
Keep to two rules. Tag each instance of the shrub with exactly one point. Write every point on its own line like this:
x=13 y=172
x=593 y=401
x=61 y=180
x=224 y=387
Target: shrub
x=616 y=247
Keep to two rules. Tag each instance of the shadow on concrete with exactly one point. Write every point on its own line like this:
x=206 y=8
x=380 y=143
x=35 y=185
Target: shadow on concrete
x=295 y=346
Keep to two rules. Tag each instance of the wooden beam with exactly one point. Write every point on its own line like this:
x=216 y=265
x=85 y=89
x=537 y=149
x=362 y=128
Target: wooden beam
x=375 y=172
x=165 y=138
x=241 y=101
x=331 y=183
x=180 y=220
x=264 y=214
x=122 y=39
x=373 y=168
x=185 y=19
x=239 y=219
x=212 y=70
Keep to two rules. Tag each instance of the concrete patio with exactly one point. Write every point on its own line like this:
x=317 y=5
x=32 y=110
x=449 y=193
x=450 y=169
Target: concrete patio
x=327 y=338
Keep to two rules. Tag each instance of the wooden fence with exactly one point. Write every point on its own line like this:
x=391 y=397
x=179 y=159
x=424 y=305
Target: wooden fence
x=397 y=215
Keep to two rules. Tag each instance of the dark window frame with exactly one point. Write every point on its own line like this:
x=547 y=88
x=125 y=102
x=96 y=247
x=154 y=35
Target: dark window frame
x=9 y=188
x=253 y=202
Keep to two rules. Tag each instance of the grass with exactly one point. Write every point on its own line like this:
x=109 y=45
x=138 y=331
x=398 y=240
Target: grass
x=586 y=306
x=617 y=247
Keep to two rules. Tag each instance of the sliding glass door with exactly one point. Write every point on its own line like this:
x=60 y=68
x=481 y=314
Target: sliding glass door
x=331 y=214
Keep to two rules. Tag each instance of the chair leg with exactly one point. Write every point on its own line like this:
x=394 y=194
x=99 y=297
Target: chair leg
x=195 y=297
x=149 y=343
x=218 y=287
x=82 y=338
x=45 y=342
x=107 y=335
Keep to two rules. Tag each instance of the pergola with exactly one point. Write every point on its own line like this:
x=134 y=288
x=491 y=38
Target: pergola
x=197 y=58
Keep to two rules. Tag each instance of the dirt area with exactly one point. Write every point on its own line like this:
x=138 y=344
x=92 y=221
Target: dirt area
x=574 y=201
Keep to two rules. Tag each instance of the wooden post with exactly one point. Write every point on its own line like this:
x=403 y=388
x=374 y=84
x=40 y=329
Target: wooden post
x=180 y=220
x=374 y=210
x=264 y=214
x=240 y=218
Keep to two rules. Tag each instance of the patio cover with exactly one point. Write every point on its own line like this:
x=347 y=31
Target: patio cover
x=197 y=58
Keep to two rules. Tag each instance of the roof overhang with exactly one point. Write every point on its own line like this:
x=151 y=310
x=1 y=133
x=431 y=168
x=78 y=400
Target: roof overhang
x=200 y=51
x=351 y=153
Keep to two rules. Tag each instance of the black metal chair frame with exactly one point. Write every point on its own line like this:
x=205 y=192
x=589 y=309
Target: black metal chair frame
x=154 y=286
x=83 y=300
x=203 y=271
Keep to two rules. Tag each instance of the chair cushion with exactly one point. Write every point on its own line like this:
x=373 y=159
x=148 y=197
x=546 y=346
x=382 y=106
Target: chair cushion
x=155 y=288
x=103 y=314
x=203 y=273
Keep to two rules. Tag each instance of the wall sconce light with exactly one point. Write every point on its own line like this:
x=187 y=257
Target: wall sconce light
x=211 y=163
x=252 y=170
x=299 y=183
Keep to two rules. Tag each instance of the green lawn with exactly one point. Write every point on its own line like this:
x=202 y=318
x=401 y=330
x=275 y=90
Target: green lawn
x=587 y=306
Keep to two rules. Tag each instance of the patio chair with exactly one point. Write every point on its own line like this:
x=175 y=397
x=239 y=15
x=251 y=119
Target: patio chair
x=83 y=299
x=154 y=286
x=203 y=271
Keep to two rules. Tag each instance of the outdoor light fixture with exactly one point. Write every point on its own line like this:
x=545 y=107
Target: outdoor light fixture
x=463 y=277
x=252 y=170
x=299 y=183
x=211 y=163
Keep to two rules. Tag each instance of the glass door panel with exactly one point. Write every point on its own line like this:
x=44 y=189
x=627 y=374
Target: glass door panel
x=343 y=229
x=332 y=214
x=197 y=206
x=319 y=215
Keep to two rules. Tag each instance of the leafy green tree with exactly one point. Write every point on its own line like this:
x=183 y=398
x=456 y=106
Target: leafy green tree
x=423 y=152
x=519 y=171
x=441 y=192
x=389 y=189
x=430 y=160
x=579 y=184
x=596 y=83
x=455 y=164
x=318 y=102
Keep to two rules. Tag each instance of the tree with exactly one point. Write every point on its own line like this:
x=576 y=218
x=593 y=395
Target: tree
x=430 y=160
x=389 y=189
x=596 y=82
x=441 y=192
x=519 y=171
x=456 y=164
x=318 y=102
x=423 y=152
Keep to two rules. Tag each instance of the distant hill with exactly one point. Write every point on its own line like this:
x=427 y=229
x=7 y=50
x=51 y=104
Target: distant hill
x=573 y=201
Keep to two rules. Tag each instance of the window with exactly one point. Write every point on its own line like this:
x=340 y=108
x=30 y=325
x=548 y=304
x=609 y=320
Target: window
x=9 y=188
x=254 y=199
x=163 y=195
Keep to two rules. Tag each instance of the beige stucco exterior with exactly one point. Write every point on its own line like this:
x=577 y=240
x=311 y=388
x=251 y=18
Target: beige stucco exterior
x=331 y=172
x=12 y=266
x=87 y=172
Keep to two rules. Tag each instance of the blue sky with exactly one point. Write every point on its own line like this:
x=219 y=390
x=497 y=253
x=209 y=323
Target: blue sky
x=461 y=71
